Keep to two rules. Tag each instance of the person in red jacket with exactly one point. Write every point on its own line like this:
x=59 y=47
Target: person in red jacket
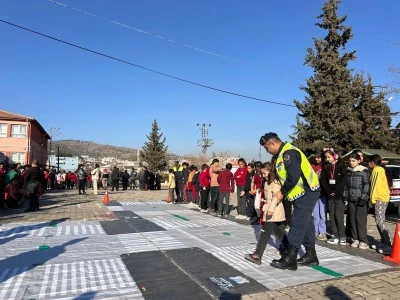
x=240 y=178
x=205 y=180
x=226 y=187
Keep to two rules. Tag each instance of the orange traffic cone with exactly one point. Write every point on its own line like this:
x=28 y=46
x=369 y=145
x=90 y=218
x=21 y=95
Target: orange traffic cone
x=106 y=199
x=169 y=199
x=395 y=256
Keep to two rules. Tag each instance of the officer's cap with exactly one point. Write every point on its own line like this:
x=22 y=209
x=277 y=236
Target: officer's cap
x=266 y=137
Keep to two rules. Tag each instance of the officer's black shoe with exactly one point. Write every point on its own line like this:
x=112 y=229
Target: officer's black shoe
x=288 y=261
x=309 y=259
x=282 y=249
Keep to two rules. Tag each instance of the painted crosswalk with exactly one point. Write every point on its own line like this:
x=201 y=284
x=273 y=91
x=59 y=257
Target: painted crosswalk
x=10 y=282
x=104 y=277
x=70 y=228
x=149 y=241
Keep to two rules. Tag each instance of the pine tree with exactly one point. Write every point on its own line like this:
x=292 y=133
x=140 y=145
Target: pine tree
x=326 y=117
x=154 y=151
x=374 y=115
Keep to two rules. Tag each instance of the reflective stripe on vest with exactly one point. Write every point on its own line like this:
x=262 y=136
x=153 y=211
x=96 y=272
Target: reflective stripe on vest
x=307 y=171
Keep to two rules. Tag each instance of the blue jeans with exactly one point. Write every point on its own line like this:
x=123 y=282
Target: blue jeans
x=319 y=214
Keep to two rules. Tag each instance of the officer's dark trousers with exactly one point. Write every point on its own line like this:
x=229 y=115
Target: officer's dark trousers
x=288 y=206
x=302 y=229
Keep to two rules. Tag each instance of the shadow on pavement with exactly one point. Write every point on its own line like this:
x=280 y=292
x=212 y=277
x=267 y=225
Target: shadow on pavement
x=86 y=296
x=332 y=292
x=230 y=296
x=17 y=236
x=25 y=228
x=24 y=262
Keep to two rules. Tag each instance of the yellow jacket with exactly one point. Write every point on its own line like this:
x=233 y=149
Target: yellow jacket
x=379 y=186
x=171 y=181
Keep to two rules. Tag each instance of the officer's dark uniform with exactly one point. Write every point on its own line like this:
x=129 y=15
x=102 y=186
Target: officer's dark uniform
x=302 y=228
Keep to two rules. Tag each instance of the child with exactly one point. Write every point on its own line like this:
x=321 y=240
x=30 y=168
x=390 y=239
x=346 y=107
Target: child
x=250 y=192
x=240 y=178
x=190 y=187
x=273 y=214
x=171 y=186
x=205 y=187
x=196 y=183
x=333 y=181
x=226 y=187
x=357 y=195
x=381 y=181
x=319 y=212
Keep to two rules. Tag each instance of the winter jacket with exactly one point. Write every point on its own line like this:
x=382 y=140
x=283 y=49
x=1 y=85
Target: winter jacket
x=95 y=174
x=339 y=172
x=171 y=181
x=205 y=178
x=379 y=185
x=249 y=180
x=240 y=176
x=357 y=185
x=271 y=204
x=81 y=174
x=226 y=182
x=196 y=181
x=114 y=174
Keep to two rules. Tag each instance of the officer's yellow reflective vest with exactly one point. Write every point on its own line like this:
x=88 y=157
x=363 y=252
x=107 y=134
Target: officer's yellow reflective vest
x=308 y=173
x=179 y=169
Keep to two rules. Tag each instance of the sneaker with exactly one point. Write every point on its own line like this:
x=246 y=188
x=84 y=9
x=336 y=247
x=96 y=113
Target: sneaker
x=321 y=237
x=237 y=217
x=248 y=218
x=342 y=241
x=203 y=210
x=355 y=244
x=387 y=250
x=363 y=246
x=242 y=217
x=254 y=258
x=333 y=240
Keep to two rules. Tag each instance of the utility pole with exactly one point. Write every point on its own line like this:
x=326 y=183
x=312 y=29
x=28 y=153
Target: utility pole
x=204 y=142
x=58 y=158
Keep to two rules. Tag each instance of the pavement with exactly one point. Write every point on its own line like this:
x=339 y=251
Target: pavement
x=140 y=247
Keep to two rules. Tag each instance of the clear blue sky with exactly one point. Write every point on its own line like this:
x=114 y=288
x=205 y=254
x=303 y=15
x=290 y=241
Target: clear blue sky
x=92 y=98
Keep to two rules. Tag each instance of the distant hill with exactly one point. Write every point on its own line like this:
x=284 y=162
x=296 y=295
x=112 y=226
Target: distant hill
x=78 y=148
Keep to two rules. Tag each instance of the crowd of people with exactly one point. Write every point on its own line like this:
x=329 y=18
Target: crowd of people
x=32 y=180
x=311 y=191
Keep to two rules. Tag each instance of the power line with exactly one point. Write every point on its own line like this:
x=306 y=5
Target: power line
x=154 y=34
x=145 y=68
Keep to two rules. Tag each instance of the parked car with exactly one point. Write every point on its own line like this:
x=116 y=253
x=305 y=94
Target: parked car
x=395 y=189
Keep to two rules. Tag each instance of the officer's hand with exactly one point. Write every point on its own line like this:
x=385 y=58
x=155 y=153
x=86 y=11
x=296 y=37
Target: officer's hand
x=279 y=196
x=204 y=188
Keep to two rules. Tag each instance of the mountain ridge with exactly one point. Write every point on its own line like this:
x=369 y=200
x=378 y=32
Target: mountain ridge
x=92 y=149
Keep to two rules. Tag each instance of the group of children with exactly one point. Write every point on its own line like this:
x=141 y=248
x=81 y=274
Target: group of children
x=353 y=186
x=356 y=187
x=210 y=189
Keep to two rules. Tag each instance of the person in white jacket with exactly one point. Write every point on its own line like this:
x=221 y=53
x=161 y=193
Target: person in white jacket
x=95 y=178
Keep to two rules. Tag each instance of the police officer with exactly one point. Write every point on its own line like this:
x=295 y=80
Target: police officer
x=300 y=185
